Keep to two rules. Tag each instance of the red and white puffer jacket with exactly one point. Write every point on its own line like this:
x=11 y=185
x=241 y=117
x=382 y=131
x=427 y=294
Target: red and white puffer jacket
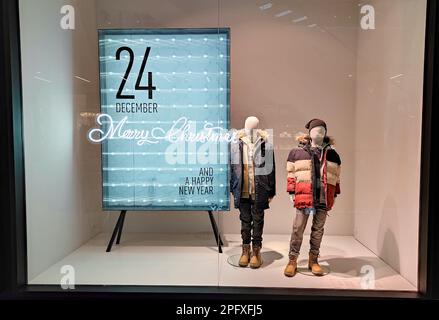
x=301 y=175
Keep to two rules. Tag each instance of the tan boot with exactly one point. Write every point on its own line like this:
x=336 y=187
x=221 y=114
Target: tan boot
x=291 y=268
x=245 y=257
x=314 y=266
x=256 y=260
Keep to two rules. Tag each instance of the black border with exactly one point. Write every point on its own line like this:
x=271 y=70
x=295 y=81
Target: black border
x=13 y=260
x=13 y=269
x=428 y=277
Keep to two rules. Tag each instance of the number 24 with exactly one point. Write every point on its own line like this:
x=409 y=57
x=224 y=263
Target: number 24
x=150 y=88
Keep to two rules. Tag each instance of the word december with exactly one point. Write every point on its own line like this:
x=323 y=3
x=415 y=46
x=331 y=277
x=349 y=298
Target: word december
x=136 y=107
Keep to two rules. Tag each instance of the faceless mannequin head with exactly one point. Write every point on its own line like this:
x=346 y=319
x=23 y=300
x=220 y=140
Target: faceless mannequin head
x=251 y=123
x=317 y=135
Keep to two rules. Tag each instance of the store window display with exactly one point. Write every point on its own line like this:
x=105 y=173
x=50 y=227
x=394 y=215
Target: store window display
x=253 y=185
x=313 y=182
x=290 y=61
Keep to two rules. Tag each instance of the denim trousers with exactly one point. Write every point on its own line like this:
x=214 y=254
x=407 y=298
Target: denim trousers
x=317 y=230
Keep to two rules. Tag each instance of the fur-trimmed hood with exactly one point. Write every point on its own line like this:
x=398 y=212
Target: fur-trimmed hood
x=261 y=133
x=305 y=138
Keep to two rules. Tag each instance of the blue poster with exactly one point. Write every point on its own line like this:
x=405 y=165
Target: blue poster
x=164 y=121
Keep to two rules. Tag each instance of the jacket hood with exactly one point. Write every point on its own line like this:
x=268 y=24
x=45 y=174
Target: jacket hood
x=304 y=139
x=261 y=133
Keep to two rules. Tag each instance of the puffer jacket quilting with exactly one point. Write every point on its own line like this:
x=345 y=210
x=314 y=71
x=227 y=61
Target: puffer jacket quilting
x=300 y=173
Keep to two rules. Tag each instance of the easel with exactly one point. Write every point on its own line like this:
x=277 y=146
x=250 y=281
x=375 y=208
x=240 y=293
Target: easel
x=117 y=232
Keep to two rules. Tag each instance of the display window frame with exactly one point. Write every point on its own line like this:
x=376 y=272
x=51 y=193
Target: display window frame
x=13 y=250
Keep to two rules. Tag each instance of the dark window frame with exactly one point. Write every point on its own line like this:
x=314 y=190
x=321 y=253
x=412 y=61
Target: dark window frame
x=13 y=251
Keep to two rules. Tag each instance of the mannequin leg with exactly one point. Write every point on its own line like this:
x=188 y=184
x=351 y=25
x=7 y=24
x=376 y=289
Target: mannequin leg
x=257 y=229
x=246 y=221
x=299 y=226
x=258 y=225
x=317 y=230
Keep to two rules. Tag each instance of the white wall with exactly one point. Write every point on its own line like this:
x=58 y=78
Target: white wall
x=62 y=170
x=286 y=74
x=388 y=133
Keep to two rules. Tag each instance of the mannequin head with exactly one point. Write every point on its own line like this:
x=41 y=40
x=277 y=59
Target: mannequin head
x=317 y=135
x=251 y=123
x=317 y=131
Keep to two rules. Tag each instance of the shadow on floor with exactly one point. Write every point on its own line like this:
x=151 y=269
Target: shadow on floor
x=268 y=257
x=356 y=266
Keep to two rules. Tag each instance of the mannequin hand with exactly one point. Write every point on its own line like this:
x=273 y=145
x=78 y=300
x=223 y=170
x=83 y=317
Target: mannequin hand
x=269 y=200
x=292 y=198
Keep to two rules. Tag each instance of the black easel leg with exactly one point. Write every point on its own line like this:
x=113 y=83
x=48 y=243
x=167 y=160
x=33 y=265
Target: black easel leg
x=218 y=239
x=115 y=232
x=123 y=214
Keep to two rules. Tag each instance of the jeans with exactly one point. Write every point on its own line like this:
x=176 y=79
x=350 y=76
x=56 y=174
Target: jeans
x=252 y=219
x=317 y=230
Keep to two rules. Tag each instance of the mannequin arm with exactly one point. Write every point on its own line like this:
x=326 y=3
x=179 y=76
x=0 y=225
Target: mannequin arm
x=291 y=177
